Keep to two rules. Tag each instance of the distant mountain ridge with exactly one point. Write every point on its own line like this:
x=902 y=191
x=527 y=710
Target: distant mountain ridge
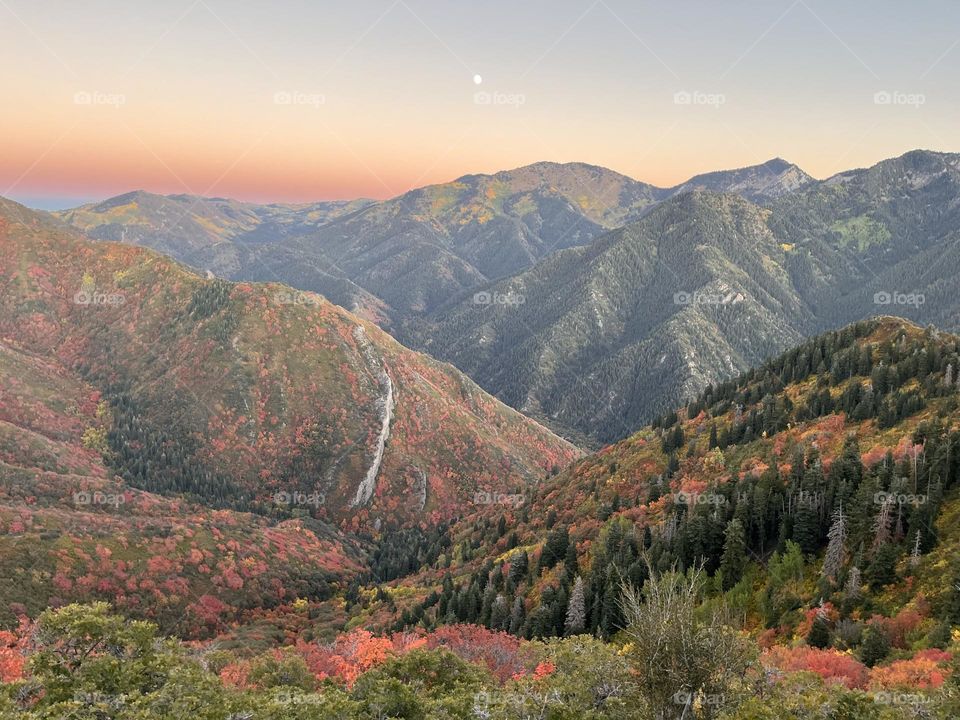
x=707 y=285
x=553 y=285
x=399 y=259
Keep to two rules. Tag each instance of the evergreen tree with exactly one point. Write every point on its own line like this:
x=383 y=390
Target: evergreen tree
x=819 y=635
x=576 y=618
x=876 y=645
x=883 y=568
x=836 y=548
x=519 y=567
x=500 y=614
x=734 y=554
x=517 y=616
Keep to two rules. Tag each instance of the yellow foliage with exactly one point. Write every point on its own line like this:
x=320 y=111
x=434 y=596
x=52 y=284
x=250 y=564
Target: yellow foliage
x=95 y=438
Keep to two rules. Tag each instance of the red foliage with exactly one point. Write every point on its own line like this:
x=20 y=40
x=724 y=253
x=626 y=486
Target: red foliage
x=13 y=647
x=353 y=653
x=831 y=665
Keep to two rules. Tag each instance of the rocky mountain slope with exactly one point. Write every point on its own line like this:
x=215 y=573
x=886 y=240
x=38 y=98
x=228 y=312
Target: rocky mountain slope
x=601 y=339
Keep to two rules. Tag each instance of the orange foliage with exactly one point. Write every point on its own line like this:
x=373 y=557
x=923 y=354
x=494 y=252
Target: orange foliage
x=831 y=665
x=921 y=672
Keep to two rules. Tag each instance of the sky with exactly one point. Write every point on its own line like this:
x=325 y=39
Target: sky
x=295 y=100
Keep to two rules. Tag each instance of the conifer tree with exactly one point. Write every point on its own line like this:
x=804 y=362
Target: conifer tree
x=576 y=609
x=734 y=554
x=836 y=548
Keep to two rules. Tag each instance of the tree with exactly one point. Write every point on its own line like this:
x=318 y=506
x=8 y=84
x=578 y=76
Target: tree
x=576 y=609
x=881 y=525
x=836 y=548
x=84 y=648
x=915 y=554
x=883 y=568
x=678 y=652
x=876 y=645
x=806 y=526
x=852 y=590
x=819 y=635
x=500 y=614
x=519 y=566
x=734 y=554
x=517 y=616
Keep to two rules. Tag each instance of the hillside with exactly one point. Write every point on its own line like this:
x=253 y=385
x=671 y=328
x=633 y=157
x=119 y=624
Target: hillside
x=609 y=335
x=749 y=481
x=259 y=388
x=221 y=236
x=174 y=406
x=70 y=532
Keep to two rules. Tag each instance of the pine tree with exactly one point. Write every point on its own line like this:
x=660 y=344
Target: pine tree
x=915 y=555
x=819 y=635
x=517 y=616
x=734 y=554
x=576 y=609
x=852 y=590
x=500 y=614
x=806 y=526
x=836 y=548
x=876 y=645
x=881 y=526
x=519 y=566
x=883 y=568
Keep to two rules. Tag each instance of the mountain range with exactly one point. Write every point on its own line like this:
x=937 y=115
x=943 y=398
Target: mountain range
x=590 y=301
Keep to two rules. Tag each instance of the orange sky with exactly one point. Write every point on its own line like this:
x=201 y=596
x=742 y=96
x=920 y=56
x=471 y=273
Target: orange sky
x=292 y=101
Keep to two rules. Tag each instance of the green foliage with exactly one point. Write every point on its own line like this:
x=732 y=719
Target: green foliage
x=875 y=646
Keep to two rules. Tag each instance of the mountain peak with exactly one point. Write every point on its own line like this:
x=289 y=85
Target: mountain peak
x=758 y=183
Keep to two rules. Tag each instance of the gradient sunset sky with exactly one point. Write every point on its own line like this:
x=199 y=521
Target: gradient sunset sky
x=295 y=100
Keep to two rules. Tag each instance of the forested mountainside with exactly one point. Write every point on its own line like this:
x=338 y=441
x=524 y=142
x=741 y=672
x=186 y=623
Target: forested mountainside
x=178 y=405
x=601 y=339
x=825 y=478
